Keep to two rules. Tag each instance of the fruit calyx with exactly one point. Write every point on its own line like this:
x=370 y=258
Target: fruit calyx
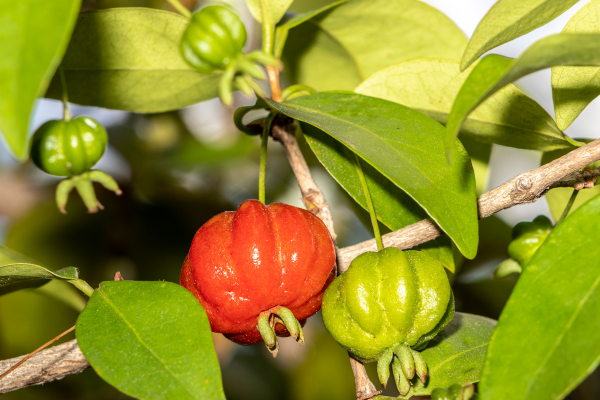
x=406 y=362
x=83 y=184
x=278 y=315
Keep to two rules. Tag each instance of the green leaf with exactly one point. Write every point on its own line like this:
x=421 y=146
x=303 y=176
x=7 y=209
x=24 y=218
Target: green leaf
x=494 y=72
x=547 y=340
x=287 y=23
x=509 y=117
x=456 y=354
x=573 y=88
x=21 y=276
x=128 y=59
x=19 y=272
x=403 y=145
x=508 y=20
x=272 y=9
x=33 y=38
x=480 y=154
x=440 y=248
x=557 y=198
x=151 y=340
x=394 y=208
x=351 y=41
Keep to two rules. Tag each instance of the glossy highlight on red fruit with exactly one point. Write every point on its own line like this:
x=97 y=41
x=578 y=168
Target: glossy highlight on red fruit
x=245 y=262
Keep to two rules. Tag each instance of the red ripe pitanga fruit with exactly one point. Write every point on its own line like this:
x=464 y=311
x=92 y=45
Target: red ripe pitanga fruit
x=258 y=264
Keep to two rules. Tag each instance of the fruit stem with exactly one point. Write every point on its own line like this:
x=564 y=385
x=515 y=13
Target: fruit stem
x=181 y=8
x=268 y=31
x=371 y=208
x=65 y=95
x=569 y=205
x=263 y=156
x=83 y=286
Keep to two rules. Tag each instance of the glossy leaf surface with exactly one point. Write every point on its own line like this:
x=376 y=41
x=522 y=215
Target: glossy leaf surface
x=494 y=72
x=151 y=340
x=508 y=117
x=128 y=59
x=16 y=272
x=351 y=41
x=394 y=208
x=547 y=340
x=456 y=354
x=405 y=146
x=33 y=38
x=508 y=20
x=573 y=88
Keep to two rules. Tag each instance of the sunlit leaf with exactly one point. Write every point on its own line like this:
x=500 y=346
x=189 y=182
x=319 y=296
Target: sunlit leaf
x=339 y=48
x=547 y=340
x=128 y=59
x=508 y=117
x=508 y=20
x=573 y=88
x=494 y=72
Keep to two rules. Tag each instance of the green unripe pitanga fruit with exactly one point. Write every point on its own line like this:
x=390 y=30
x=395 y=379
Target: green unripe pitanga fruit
x=214 y=38
x=71 y=148
x=528 y=237
x=67 y=148
x=386 y=306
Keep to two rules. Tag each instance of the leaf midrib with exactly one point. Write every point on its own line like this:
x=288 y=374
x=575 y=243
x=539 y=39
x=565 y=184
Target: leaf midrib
x=177 y=378
x=403 y=157
x=559 y=339
x=458 y=355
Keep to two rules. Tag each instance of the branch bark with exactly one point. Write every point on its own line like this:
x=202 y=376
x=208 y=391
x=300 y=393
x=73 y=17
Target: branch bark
x=312 y=197
x=46 y=366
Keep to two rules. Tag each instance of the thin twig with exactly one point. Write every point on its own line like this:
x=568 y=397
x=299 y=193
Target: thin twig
x=42 y=347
